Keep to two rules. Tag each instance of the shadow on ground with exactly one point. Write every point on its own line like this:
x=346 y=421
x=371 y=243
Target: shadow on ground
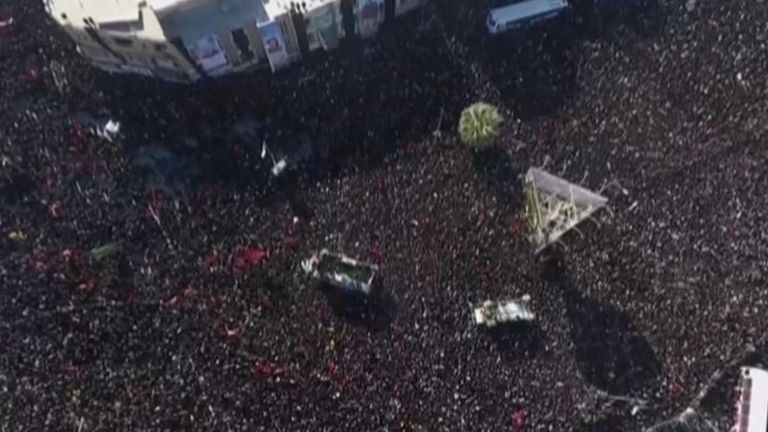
x=615 y=19
x=519 y=339
x=357 y=103
x=610 y=424
x=500 y=178
x=535 y=68
x=612 y=354
x=375 y=311
x=15 y=185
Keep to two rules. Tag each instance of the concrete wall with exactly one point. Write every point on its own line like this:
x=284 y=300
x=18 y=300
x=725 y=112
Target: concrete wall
x=141 y=56
x=140 y=52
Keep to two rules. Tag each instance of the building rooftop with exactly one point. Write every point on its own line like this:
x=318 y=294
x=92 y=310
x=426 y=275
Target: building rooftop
x=159 y=5
x=188 y=19
x=74 y=11
x=126 y=16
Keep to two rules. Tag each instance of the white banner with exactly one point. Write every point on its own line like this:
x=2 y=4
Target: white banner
x=208 y=53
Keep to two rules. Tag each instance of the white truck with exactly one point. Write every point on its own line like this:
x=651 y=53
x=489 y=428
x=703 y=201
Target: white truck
x=341 y=271
x=492 y=313
x=523 y=13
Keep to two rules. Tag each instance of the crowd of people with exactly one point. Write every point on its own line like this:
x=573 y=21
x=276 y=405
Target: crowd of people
x=195 y=314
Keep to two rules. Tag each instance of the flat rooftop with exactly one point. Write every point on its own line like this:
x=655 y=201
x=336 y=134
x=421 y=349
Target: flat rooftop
x=99 y=10
x=188 y=19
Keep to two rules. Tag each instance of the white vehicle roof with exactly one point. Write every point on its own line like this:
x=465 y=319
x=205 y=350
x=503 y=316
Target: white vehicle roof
x=522 y=10
x=338 y=269
x=491 y=313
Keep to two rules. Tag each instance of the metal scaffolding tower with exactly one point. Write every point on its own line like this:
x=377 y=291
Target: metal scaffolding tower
x=555 y=206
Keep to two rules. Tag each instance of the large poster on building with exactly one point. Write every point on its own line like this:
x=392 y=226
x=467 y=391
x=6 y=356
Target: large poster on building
x=273 y=44
x=207 y=52
x=322 y=21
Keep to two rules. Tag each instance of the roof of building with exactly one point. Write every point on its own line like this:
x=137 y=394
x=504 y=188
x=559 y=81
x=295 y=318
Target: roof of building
x=125 y=16
x=115 y=8
x=100 y=10
x=162 y=4
x=190 y=20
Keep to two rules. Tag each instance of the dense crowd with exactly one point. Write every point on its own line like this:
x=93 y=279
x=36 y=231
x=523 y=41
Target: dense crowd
x=201 y=319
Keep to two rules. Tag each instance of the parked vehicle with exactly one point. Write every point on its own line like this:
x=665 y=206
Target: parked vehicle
x=521 y=14
x=493 y=313
x=341 y=271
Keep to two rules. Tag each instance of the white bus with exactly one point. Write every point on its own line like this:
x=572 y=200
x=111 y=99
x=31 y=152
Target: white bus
x=519 y=14
x=752 y=406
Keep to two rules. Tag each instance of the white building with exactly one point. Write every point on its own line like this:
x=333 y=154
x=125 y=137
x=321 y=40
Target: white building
x=185 y=40
x=752 y=405
x=122 y=36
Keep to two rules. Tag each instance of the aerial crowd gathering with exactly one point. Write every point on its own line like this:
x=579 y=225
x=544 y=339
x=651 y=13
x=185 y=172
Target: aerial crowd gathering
x=158 y=275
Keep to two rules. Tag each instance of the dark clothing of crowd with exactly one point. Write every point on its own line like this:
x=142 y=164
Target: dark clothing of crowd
x=201 y=318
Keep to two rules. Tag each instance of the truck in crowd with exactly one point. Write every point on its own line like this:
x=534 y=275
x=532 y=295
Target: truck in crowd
x=521 y=14
x=493 y=313
x=341 y=271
